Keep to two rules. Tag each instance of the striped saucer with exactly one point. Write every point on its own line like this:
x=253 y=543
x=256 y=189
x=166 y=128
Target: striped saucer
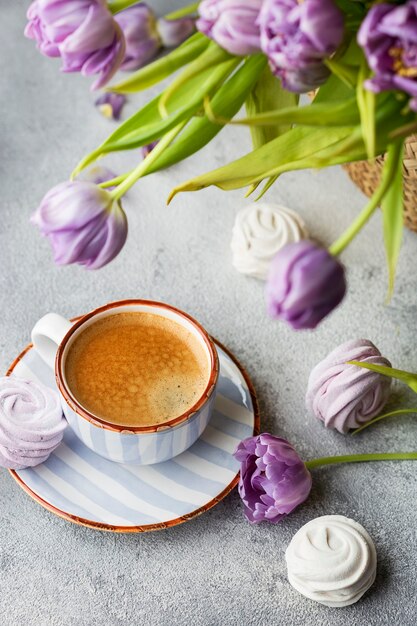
x=84 y=488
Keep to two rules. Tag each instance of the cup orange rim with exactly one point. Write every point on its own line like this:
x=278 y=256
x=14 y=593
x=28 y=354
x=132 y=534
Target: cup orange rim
x=82 y=412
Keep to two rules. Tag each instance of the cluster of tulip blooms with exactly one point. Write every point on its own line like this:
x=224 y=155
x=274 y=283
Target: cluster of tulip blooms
x=360 y=58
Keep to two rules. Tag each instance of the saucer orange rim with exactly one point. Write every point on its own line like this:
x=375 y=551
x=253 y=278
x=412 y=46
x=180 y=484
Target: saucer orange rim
x=100 y=423
x=149 y=527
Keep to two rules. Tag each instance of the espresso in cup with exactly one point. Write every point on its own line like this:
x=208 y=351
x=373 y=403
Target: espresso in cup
x=136 y=369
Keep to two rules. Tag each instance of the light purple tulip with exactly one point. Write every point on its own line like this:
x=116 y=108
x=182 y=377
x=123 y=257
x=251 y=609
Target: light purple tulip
x=345 y=396
x=273 y=479
x=305 y=283
x=297 y=37
x=145 y=34
x=138 y=24
x=388 y=36
x=83 y=224
x=232 y=24
x=111 y=104
x=174 y=32
x=82 y=32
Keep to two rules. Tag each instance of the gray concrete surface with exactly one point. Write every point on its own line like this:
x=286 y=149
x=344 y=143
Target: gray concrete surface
x=217 y=569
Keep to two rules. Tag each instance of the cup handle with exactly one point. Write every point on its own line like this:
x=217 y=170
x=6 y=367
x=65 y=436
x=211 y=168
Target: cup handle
x=47 y=334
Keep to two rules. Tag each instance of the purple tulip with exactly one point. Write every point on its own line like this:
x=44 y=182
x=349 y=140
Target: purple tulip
x=388 y=36
x=305 y=283
x=174 y=32
x=297 y=37
x=111 y=104
x=145 y=34
x=82 y=32
x=138 y=24
x=345 y=396
x=273 y=478
x=232 y=24
x=83 y=223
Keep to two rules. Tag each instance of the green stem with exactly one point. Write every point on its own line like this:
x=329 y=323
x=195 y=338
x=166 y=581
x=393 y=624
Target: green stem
x=114 y=181
x=381 y=417
x=344 y=240
x=141 y=169
x=118 y=5
x=176 y=15
x=360 y=458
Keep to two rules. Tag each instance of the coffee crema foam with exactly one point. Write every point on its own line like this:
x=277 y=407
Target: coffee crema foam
x=136 y=369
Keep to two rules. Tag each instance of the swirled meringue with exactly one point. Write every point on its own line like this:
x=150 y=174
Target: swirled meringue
x=31 y=422
x=260 y=231
x=346 y=396
x=331 y=560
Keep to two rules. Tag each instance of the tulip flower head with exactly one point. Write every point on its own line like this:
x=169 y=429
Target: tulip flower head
x=83 y=224
x=145 y=34
x=297 y=37
x=232 y=24
x=273 y=478
x=388 y=36
x=83 y=33
x=305 y=283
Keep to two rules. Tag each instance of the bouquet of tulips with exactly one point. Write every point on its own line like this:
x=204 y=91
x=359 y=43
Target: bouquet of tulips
x=356 y=58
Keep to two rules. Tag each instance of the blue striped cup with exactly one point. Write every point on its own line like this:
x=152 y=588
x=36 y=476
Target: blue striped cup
x=52 y=338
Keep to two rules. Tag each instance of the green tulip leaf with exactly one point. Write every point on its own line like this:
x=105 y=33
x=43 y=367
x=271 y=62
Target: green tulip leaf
x=147 y=124
x=367 y=106
x=227 y=101
x=269 y=95
x=154 y=72
x=293 y=145
x=212 y=56
x=315 y=114
x=408 y=378
x=393 y=209
x=119 y=5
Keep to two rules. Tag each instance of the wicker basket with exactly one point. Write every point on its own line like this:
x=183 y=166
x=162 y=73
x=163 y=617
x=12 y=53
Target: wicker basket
x=366 y=175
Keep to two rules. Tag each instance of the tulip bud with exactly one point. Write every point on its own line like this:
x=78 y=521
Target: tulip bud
x=305 y=283
x=83 y=224
x=174 y=32
x=138 y=24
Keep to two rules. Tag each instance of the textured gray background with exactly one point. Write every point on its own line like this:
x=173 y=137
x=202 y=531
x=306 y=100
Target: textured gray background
x=217 y=569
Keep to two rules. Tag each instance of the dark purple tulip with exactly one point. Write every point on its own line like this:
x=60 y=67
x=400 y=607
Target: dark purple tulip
x=273 y=478
x=83 y=223
x=388 y=36
x=82 y=32
x=297 y=37
x=305 y=283
x=111 y=104
x=232 y=24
